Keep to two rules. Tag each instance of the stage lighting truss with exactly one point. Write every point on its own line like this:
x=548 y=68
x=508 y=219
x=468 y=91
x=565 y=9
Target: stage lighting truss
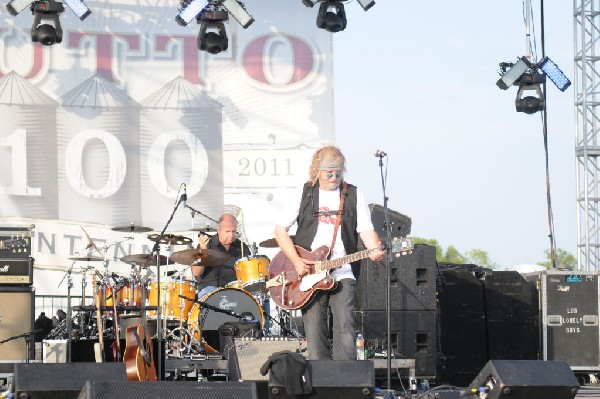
x=192 y=9
x=78 y=7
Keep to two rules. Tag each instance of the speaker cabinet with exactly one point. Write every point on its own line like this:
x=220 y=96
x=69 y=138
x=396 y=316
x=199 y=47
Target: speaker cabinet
x=169 y=389
x=511 y=317
x=333 y=379
x=462 y=327
x=414 y=336
x=16 y=318
x=49 y=381
x=413 y=282
x=248 y=355
x=399 y=224
x=525 y=379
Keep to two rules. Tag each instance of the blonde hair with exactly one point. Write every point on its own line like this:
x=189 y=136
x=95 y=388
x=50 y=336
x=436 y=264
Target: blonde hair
x=329 y=153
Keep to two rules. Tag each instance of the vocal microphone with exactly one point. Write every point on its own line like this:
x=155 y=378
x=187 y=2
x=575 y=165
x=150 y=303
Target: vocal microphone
x=380 y=154
x=184 y=195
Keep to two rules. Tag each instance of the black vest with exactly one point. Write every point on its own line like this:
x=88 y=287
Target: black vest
x=308 y=214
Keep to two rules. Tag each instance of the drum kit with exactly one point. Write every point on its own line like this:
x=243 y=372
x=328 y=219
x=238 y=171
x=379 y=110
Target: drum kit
x=186 y=322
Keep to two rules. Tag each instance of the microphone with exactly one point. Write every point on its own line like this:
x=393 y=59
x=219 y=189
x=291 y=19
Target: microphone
x=184 y=195
x=380 y=154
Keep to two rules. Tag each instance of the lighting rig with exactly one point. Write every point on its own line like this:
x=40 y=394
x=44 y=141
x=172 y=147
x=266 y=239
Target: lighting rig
x=46 y=27
x=529 y=77
x=212 y=15
x=332 y=15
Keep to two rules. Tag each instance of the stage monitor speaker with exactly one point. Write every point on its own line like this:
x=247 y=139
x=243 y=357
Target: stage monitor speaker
x=62 y=380
x=16 y=318
x=526 y=379
x=333 y=379
x=169 y=389
x=248 y=355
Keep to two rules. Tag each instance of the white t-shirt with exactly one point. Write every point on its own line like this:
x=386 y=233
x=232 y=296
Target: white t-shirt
x=329 y=201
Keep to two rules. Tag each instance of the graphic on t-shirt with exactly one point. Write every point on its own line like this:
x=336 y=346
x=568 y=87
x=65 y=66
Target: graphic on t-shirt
x=326 y=216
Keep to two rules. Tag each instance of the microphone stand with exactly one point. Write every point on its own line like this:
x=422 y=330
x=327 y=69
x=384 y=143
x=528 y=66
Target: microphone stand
x=194 y=212
x=388 y=263
x=156 y=250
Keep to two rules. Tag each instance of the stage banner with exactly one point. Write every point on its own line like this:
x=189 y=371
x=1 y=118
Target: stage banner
x=105 y=128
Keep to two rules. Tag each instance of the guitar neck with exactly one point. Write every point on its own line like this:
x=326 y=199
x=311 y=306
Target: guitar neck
x=332 y=264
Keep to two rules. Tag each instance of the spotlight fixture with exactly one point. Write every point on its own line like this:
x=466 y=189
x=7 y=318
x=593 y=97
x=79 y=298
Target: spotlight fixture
x=212 y=36
x=190 y=9
x=78 y=7
x=529 y=104
x=41 y=30
x=366 y=4
x=332 y=16
x=510 y=76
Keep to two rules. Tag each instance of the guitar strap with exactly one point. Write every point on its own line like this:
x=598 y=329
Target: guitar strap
x=339 y=217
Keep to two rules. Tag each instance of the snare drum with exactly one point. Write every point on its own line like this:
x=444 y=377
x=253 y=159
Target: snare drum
x=173 y=306
x=204 y=323
x=252 y=272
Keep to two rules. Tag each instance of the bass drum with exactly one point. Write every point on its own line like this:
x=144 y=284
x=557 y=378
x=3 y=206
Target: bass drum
x=203 y=323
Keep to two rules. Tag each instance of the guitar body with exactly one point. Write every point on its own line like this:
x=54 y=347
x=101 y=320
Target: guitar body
x=138 y=358
x=289 y=295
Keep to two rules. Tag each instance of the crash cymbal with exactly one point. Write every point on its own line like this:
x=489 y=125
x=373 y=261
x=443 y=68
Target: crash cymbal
x=132 y=229
x=272 y=243
x=170 y=239
x=142 y=259
x=87 y=258
x=200 y=257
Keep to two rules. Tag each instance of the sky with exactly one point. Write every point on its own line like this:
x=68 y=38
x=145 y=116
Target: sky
x=418 y=81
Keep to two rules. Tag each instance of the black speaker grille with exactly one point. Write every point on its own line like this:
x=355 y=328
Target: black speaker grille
x=169 y=389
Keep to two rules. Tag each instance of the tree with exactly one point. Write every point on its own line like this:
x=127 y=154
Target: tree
x=453 y=255
x=564 y=259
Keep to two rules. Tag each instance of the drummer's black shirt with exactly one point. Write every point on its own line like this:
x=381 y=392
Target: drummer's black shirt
x=221 y=275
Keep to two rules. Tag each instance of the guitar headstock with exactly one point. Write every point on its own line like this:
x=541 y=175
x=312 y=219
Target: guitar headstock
x=403 y=245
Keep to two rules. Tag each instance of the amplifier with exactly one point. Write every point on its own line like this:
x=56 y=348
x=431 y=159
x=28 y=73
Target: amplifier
x=16 y=271
x=15 y=242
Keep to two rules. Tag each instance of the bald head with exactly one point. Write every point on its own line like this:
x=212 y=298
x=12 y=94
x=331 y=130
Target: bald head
x=227 y=229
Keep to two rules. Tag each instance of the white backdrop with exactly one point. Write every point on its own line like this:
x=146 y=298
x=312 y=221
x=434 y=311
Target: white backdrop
x=102 y=129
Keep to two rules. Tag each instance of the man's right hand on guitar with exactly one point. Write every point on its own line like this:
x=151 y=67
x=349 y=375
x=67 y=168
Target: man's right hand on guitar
x=302 y=266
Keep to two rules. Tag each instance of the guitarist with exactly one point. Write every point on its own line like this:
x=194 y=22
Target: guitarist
x=316 y=212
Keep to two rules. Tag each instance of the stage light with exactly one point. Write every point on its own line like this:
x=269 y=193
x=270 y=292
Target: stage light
x=554 y=73
x=191 y=9
x=332 y=16
x=366 y=4
x=78 y=7
x=510 y=76
x=529 y=104
x=310 y=3
x=41 y=30
x=212 y=36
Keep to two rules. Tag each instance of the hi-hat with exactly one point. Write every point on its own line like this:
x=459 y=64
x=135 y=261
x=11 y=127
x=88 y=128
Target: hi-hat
x=87 y=258
x=271 y=243
x=132 y=229
x=200 y=257
x=204 y=230
x=142 y=259
x=170 y=239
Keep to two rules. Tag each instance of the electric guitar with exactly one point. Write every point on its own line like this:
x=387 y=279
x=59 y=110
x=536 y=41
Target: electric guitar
x=289 y=292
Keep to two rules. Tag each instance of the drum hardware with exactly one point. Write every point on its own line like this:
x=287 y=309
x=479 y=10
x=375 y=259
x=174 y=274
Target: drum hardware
x=200 y=257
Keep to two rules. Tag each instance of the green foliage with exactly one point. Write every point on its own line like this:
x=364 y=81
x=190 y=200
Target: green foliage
x=452 y=255
x=564 y=259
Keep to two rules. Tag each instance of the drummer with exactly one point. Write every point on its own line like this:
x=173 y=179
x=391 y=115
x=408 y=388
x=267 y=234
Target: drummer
x=211 y=278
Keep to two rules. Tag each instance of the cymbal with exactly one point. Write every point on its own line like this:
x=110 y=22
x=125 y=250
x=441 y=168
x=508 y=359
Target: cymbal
x=204 y=230
x=170 y=239
x=272 y=243
x=142 y=259
x=200 y=257
x=132 y=229
x=87 y=258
